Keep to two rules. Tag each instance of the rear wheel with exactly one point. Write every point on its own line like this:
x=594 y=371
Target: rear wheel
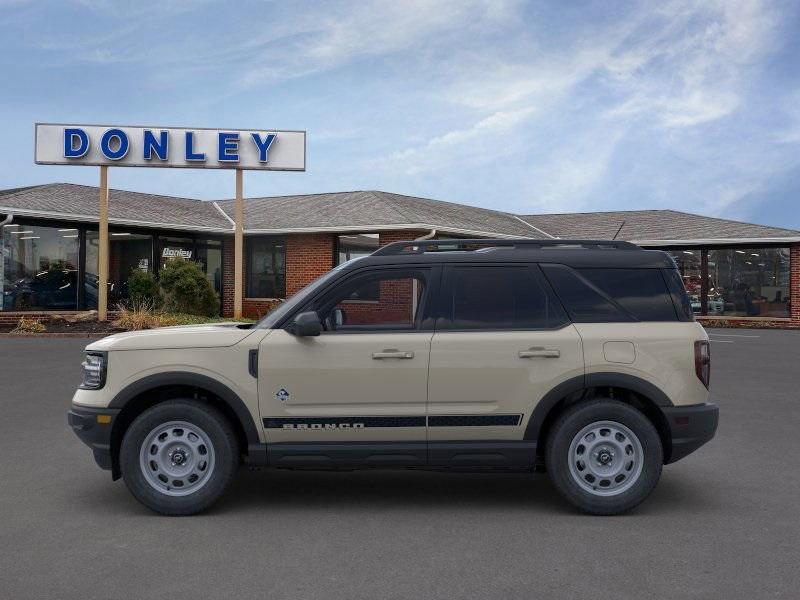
x=604 y=456
x=178 y=457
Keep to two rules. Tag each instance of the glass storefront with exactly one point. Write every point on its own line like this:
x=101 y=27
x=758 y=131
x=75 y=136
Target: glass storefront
x=749 y=282
x=690 y=267
x=128 y=251
x=738 y=281
x=39 y=267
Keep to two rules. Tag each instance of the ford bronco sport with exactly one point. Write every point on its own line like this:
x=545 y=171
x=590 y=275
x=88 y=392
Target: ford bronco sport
x=581 y=358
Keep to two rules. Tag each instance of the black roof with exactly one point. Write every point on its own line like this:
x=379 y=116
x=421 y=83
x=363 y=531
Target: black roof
x=573 y=253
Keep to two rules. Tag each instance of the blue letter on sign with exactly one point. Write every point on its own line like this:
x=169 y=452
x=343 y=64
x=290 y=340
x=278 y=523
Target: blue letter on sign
x=71 y=136
x=263 y=145
x=190 y=153
x=159 y=146
x=122 y=147
x=228 y=142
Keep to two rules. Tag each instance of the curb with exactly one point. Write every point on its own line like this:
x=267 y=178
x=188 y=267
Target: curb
x=53 y=335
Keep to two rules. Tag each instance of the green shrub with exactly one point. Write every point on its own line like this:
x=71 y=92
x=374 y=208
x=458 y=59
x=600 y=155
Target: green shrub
x=143 y=289
x=186 y=290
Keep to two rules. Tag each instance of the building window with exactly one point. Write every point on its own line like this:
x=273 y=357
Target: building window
x=356 y=245
x=39 y=267
x=689 y=263
x=748 y=282
x=266 y=267
x=128 y=252
x=209 y=255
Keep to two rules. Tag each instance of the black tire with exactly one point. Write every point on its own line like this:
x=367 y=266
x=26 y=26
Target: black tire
x=570 y=424
x=221 y=436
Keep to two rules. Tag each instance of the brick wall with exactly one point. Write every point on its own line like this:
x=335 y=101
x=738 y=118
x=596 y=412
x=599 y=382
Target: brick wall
x=227 y=276
x=794 y=284
x=307 y=257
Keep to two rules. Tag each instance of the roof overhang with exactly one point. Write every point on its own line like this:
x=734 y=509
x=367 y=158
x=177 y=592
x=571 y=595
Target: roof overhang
x=718 y=241
x=113 y=221
x=276 y=231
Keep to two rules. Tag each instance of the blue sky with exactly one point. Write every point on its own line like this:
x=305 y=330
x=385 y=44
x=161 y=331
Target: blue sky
x=521 y=106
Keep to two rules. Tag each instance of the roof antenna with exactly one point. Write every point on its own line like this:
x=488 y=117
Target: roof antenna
x=621 y=225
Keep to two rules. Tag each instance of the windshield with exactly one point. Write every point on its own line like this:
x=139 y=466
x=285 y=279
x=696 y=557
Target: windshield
x=279 y=312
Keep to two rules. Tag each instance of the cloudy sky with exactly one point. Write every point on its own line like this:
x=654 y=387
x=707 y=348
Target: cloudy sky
x=520 y=106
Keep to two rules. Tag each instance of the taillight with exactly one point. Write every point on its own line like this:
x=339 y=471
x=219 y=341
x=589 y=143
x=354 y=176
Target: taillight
x=702 y=361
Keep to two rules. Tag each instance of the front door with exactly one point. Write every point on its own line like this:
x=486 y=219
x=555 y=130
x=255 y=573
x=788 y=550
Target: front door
x=360 y=386
x=502 y=342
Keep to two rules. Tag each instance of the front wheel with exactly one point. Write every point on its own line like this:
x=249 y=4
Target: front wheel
x=178 y=457
x=604 y=456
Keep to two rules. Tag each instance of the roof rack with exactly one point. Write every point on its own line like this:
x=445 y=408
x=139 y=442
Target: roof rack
x=421 y=246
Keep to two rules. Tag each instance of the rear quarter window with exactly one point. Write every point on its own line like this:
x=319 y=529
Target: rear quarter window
x=642 y=292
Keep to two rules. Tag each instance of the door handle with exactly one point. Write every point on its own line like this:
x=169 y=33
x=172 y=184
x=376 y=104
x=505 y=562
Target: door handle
x=539 y=352
x=392 y=354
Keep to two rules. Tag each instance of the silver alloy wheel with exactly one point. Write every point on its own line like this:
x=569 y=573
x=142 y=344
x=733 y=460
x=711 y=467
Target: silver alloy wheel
x=605 y=458
x=177 y=458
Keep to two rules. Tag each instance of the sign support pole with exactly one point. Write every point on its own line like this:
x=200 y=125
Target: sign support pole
x=103 y=254
x=238 y=255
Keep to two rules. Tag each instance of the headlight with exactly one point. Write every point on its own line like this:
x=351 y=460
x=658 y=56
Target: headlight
x=94 y=371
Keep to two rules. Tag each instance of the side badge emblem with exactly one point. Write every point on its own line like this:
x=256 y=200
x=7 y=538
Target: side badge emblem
x=282 y=395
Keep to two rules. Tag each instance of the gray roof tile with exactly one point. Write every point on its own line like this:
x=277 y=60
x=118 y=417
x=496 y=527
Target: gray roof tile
x=651 y=225
x=128 y=207
x=372 y=210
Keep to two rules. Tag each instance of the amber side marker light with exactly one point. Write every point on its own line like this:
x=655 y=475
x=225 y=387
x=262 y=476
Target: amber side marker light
x=104 y=419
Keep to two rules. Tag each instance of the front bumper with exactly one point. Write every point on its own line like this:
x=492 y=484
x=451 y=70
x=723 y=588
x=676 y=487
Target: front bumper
x=93 y=426
x=690 y=427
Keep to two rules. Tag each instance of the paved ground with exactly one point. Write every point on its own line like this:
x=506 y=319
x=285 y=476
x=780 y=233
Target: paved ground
x=722 y=524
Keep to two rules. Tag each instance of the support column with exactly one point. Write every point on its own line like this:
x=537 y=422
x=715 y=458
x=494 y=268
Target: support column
x=238 y=249
x=103 y=253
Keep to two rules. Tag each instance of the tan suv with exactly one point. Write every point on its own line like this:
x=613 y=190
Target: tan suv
x=581 y=358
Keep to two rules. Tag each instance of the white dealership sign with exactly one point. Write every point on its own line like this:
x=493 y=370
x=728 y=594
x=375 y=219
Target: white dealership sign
x=190 y=148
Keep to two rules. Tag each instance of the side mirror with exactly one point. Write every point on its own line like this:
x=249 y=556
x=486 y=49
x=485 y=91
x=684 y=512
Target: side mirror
x=305 y=324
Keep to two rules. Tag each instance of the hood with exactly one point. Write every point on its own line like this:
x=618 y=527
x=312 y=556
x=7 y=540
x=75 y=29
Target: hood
x=186 y=336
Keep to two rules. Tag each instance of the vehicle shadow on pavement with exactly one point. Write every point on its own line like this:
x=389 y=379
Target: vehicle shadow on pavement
x=353 y=491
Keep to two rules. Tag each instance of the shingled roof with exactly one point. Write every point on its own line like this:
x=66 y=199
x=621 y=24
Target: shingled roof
x=365 y=211
x=79 y=202
x=374 y=210
x=643 y=226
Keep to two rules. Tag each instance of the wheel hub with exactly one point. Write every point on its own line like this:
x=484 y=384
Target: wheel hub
x=605 y=458
x=177 y=458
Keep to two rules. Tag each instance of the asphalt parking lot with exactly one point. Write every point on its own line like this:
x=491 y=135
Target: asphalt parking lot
x=723 y=523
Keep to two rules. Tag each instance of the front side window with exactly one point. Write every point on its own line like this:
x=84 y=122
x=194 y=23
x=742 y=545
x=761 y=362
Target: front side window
x=396 y=307
x=492 y=298
x=39 y=267
x=266 y=267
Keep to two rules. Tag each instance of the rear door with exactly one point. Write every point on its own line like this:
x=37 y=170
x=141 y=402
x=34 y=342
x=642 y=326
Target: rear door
x=502 y=342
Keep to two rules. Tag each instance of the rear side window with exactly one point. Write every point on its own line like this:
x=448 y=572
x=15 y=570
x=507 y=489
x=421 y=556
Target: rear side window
x=585 y=302
x=496 y=298
x=642 y=292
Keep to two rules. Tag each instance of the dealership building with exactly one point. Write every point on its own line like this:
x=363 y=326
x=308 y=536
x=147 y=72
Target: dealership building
x=737 y=274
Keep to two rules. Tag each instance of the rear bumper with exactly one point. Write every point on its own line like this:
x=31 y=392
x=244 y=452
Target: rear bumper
x=690 y=427
x=95 y=434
